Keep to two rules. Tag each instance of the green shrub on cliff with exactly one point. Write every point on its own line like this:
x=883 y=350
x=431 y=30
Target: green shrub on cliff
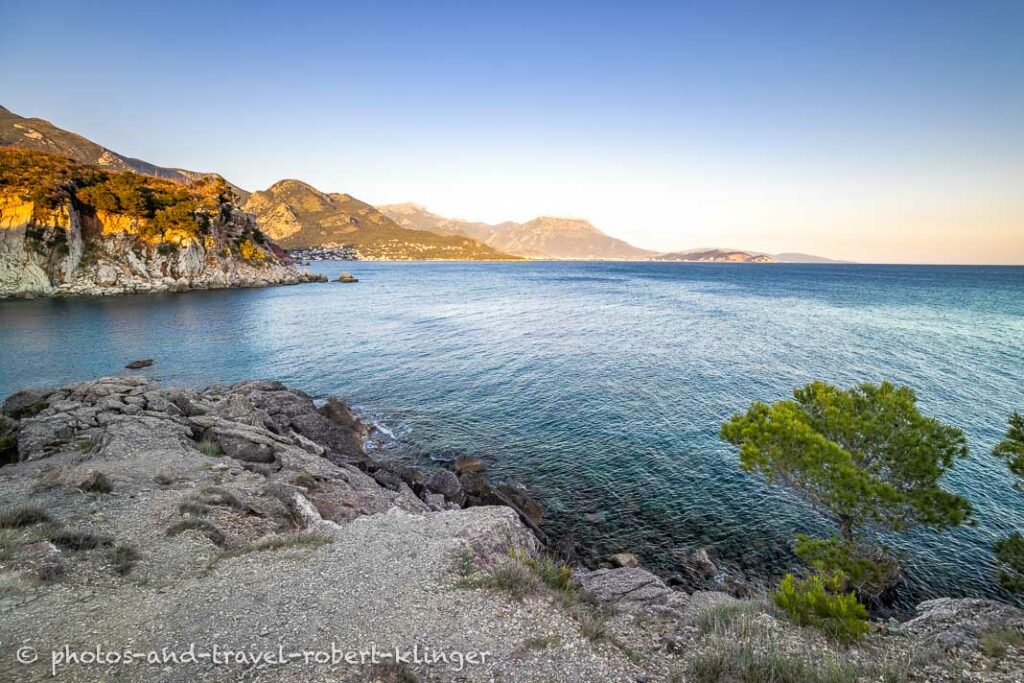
x=821 y=601
x=864 y=456
x=50 y=181
x=1009 y=551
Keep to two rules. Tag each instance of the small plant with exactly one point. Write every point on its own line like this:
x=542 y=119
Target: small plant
x=465 y=563
x=514 y=578
x=122 y=558
x=727 y=618
x=998 y=642
x=204 y=527
x=306 y=480
x=819 y=601
x=730 y=660
x=194 y=508
x=16 y=517
x=84 y=445
x=50 y=570
x=210 y=448
x=554 y=573
x=166 y=477
x=870 y=571
x=96 y=482
x=300 y=540
x=214 y=495
x=30 y=410
x=594 y=623
x=79 y=540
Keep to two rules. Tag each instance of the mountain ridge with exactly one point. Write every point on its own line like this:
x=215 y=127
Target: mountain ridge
x=42 y=135
x=542 y=237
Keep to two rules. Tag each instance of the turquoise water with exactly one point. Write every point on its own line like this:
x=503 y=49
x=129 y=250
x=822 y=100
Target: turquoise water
x=600 y=386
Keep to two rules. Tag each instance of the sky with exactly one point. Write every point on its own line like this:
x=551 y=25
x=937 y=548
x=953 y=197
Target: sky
x=868 y=131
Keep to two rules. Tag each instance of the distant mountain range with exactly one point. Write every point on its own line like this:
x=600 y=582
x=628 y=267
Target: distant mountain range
x=297 y=215
x=740 y=256
x=543 y=237
x=715 y=255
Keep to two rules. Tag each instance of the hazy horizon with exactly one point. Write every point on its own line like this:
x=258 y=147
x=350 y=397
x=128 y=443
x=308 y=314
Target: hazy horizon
x=866 y=132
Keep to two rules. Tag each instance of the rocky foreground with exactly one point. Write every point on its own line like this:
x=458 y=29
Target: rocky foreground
x=240 y=533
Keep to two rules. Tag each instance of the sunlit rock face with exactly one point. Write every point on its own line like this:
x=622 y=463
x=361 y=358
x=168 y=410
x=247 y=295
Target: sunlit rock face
x=55 y=241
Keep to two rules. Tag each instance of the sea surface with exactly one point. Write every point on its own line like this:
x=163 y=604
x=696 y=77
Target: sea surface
x=599 y=386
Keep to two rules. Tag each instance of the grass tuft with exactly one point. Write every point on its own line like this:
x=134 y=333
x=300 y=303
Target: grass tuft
x=123 y=559
x=594 y=623
x=17 y=516
x=166 y=477
x=96 y=482
x=79 y=540
x=305 y=539
x=306 y=480
x=210 y=448
x=998 y=642
x=215 y=535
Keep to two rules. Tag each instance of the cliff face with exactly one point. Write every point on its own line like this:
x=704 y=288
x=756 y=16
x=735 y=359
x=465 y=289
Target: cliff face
x=68 y=229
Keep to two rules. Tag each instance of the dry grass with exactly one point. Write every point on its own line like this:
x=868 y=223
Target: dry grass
x=79 y=540
x=96 y=482
x=997 y=643
x=17 y=516
x=123 y=558
x=215 y=535
x=166 y=477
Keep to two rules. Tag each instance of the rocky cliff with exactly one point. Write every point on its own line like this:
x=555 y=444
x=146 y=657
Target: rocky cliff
x=141 y=519
x=74 y=229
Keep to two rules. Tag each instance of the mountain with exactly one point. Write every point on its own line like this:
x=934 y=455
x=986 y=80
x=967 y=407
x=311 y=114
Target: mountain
x=544 y=237
x=75 y=229
x=796 y=257
x=715 y=255
x=41 y=135
x=297 y=215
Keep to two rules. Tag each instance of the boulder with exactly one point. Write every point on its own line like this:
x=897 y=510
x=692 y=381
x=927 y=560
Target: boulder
x=631 y=589
x=624 y=560
x=524 y=503
x=475 y=486
x=445 y=483
x=138 y=364
x=240 y=448
x=389 y=479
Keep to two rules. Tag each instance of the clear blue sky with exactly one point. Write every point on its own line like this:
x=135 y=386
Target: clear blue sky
x=877 y=131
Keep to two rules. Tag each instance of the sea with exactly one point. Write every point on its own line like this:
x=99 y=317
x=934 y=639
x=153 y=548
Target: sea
x=599 y=386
